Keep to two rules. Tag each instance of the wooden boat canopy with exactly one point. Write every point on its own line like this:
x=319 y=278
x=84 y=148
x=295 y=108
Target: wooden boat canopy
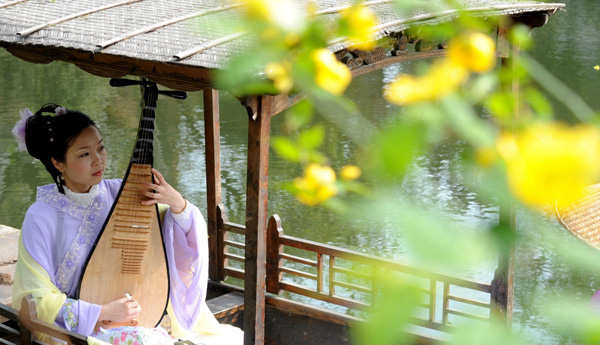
x=180 y=43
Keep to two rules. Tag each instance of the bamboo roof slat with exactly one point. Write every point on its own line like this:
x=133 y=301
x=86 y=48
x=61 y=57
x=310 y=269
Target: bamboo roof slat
x=75 y=15
x=10 y=3
x=337 y=9
x=198 y=49
x=165 y=23
x=185 y=40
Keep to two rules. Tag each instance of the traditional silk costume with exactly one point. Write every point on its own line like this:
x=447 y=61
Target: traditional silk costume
x=57 y=236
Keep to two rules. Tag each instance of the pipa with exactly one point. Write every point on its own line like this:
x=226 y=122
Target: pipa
x=129 y=256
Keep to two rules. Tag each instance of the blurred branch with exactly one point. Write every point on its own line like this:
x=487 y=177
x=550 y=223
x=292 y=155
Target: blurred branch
x=559 y=90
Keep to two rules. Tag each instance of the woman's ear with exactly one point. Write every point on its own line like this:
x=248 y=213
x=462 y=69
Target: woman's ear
x=58 y=165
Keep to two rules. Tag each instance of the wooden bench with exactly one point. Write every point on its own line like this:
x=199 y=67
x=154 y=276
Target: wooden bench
x=19 y=326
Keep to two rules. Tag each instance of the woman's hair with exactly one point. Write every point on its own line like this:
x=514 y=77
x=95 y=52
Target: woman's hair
x=48 y=136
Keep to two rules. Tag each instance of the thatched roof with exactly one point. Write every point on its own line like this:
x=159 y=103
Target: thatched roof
x=180 y=37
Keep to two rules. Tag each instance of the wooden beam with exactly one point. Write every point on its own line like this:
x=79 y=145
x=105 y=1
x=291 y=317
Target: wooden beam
x=212 y=132
x=256 y=222
x=173 y=75
x=279 y=103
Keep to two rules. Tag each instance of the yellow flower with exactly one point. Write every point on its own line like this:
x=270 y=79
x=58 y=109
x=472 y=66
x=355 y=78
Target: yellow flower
x=443 y=78
x=486 y=156
x=317 y=175
x=330 y=74
x=259 y=9
x=551 y=162
x=474 y=50
x=291 y=39
x=597 y=67
x=316 y=185
x=281 y=76
x=350 y=172
x=359 y=22
x=405 y=89
x=270 y=11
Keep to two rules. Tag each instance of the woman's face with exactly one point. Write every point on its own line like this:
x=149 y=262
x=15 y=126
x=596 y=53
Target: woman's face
x=84 y=161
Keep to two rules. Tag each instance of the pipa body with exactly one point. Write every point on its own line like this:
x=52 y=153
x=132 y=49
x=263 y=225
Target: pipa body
x=129 y=256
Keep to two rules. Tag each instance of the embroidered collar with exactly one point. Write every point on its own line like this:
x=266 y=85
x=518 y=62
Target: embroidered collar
x=50 y=195
x=83 y=199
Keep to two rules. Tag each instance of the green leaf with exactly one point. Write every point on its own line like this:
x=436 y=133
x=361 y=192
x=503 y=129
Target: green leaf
x=539 y=103
x=299 y=115
x=520 y=35
x=395 y=148
x=391 y=314
x=311 y=138
x=481 y=87
x=480 y=333
x=570 y=316
x=286 y=148
x=501 y=105
x=466 y=122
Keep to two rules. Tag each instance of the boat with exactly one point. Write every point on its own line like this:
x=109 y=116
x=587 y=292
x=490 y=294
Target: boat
x=116 y=39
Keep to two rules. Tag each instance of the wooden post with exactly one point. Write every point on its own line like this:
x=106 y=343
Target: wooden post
x=259 y=129
x=502 y=293
x=222 y=261
x=502 y=287
x=212 y=130
x=274 y=249
x=25 y=314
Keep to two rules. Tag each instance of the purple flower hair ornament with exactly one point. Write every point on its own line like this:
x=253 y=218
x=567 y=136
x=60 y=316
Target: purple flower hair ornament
x=19 y=129
x=60 y=110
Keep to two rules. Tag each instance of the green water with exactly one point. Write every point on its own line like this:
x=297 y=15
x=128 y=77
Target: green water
x=567 y=46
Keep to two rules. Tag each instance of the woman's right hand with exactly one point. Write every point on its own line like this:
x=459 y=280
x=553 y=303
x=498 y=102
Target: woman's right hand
x=121 y=310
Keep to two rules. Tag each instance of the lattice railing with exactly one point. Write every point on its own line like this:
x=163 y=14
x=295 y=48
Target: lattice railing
x=350 y=279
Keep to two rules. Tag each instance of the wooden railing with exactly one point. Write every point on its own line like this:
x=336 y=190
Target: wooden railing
x=350 y=279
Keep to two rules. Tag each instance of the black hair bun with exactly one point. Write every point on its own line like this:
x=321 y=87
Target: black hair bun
x=38 y=135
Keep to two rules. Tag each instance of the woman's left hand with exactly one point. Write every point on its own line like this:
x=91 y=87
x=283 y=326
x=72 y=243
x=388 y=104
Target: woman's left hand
x=162 y=192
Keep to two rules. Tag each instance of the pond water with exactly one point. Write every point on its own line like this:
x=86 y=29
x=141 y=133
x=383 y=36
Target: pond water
x=566 y=46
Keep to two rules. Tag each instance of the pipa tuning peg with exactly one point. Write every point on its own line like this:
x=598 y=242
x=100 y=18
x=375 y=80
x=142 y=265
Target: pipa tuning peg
x=118 y=82
x=174 y=94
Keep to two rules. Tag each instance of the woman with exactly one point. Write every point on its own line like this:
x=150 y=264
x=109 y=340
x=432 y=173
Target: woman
x=62 y=225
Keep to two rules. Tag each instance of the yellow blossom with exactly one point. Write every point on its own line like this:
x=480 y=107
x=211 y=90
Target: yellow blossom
x=271 y=10
x=281 y=76
x=443 y=78
x=359 y=21
x=597 y=67
x=330 y=74
x=350 y=172
x=259 y=9
x=551 y=162
x=486 y=156
x=316 y=185
x=291 y=39
x=312 y=8
x=474 y=50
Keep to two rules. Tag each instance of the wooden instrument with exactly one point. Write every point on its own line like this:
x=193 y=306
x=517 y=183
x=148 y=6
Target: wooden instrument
x=128 y=257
